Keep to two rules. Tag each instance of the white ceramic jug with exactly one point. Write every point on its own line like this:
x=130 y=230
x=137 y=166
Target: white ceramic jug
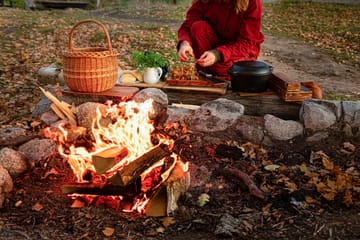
x=152 y=75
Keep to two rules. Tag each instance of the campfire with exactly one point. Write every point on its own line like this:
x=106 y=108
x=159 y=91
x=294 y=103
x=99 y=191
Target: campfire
x=122 y=161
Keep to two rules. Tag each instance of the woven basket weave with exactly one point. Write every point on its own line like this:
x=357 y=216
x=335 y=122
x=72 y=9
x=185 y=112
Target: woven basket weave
x=90 y=69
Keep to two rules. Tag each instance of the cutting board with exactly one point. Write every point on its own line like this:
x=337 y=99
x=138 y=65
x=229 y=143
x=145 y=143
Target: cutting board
x=116 y=91
x=180 y=86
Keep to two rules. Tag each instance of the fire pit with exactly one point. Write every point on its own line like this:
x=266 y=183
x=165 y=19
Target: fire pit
x=122 y=157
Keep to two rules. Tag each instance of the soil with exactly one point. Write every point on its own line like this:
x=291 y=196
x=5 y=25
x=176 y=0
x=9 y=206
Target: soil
x=36 y=208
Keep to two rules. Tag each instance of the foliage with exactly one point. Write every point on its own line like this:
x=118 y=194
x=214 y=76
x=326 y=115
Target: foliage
x=143 y=59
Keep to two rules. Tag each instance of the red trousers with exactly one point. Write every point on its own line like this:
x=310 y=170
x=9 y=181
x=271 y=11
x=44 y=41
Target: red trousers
x=203 y=39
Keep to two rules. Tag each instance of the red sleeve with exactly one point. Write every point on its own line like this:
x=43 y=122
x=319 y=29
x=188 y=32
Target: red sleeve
x=247 y=44
x=195 y=13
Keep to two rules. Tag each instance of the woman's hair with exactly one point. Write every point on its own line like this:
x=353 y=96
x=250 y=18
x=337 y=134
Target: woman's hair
x=240 y=5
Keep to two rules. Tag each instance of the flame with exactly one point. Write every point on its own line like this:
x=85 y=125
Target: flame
x=125 y=125
x=129 y=127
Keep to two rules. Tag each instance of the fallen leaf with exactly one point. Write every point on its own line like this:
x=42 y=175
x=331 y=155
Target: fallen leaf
x=271 y=167
x=203 y=199
x=77 y=204
x=37 y=207
x=108 y=231
x=167 y=221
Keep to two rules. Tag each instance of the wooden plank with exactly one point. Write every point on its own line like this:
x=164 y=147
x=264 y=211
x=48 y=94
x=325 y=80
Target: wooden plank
x=218 y=89
x=196 y=89
x=197 y=83
x=116 y=91
x=254 y=105
x=143 y=85
x=281 y=80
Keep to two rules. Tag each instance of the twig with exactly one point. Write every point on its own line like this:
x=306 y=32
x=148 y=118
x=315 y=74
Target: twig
x=253 y=189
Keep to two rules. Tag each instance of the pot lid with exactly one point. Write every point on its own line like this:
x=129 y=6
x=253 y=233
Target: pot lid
x=254 y=68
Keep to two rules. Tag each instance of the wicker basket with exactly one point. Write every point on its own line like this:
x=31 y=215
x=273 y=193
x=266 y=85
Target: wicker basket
x=90 y=69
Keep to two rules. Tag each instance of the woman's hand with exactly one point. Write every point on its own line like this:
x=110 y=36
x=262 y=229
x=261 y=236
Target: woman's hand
x=185 y=50
x=208 y=58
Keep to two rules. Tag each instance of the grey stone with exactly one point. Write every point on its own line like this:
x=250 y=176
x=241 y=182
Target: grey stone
x=279 y=129
x=228 y=226
x=318 y=136
x=11 y=136
x=49 y=117
x=250 y=128
x=37 y=150
x=13 y=161
x=351 y=113
x=160 y=99
x=87 y=113
x=217 y=115
x=176 y=114
x=6 y=185
x=316 y=116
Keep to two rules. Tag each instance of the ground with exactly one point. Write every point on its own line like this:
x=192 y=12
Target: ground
x=36 y=209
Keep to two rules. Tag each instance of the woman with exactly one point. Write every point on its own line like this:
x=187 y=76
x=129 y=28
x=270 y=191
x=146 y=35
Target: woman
x=219 y=33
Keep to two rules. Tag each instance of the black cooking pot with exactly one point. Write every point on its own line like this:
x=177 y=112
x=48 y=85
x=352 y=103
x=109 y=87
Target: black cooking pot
x=250 y=76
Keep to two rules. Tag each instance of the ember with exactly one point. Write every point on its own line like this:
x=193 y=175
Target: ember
x=120 y=156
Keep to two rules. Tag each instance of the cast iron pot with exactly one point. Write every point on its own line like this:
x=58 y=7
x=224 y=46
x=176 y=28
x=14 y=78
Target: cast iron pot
x=250 y=76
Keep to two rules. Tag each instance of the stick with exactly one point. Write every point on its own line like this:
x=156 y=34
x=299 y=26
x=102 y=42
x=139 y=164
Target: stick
x=64 y=109
x=57 y=111
x=253 y=189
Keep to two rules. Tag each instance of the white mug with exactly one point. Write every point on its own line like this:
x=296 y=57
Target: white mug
x=152 y=75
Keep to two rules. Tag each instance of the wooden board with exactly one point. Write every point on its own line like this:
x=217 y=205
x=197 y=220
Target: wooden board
x=116 y=91
x=211 y=88
x=287 y=89
x=195 y=83
x=281 y=81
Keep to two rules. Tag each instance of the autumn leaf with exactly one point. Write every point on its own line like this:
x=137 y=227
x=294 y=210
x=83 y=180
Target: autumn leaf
x=108 y=231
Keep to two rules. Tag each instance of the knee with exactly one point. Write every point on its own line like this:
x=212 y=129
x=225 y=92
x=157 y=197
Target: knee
x=199 y=27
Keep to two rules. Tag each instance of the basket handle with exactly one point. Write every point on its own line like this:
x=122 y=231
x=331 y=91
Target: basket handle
x=71 y=45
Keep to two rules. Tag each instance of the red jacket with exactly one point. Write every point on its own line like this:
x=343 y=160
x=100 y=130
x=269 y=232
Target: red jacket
x=240 y=32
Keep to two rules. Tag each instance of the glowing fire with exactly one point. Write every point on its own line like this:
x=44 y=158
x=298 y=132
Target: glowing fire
x=127 y=134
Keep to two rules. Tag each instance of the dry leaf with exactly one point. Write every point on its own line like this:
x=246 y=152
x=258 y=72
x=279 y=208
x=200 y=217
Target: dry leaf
x=37 y=207
x=77 y=204
x=167 y=221
x=108 y=231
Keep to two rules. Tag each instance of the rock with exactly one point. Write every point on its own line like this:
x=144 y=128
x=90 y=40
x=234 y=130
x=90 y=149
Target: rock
x=87 y=112
x=217 y=115
x=37 y=150
x=176 y=114
x=351 y=113
x=160 y=98
x=228 y=226
x=49 y=117
x=279 y=129
x=250 y=128
x=13 y=161
x=316 y=116
x=6 y=185
x=13 y=136
x=318 y=137
x=41 y=107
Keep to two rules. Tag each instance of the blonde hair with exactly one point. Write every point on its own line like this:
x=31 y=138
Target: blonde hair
x=240 y=5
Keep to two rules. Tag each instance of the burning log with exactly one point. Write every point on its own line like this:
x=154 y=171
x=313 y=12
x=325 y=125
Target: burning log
x=130 y=190
x=164 y=201
x=133 y=170
x=108 y=158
